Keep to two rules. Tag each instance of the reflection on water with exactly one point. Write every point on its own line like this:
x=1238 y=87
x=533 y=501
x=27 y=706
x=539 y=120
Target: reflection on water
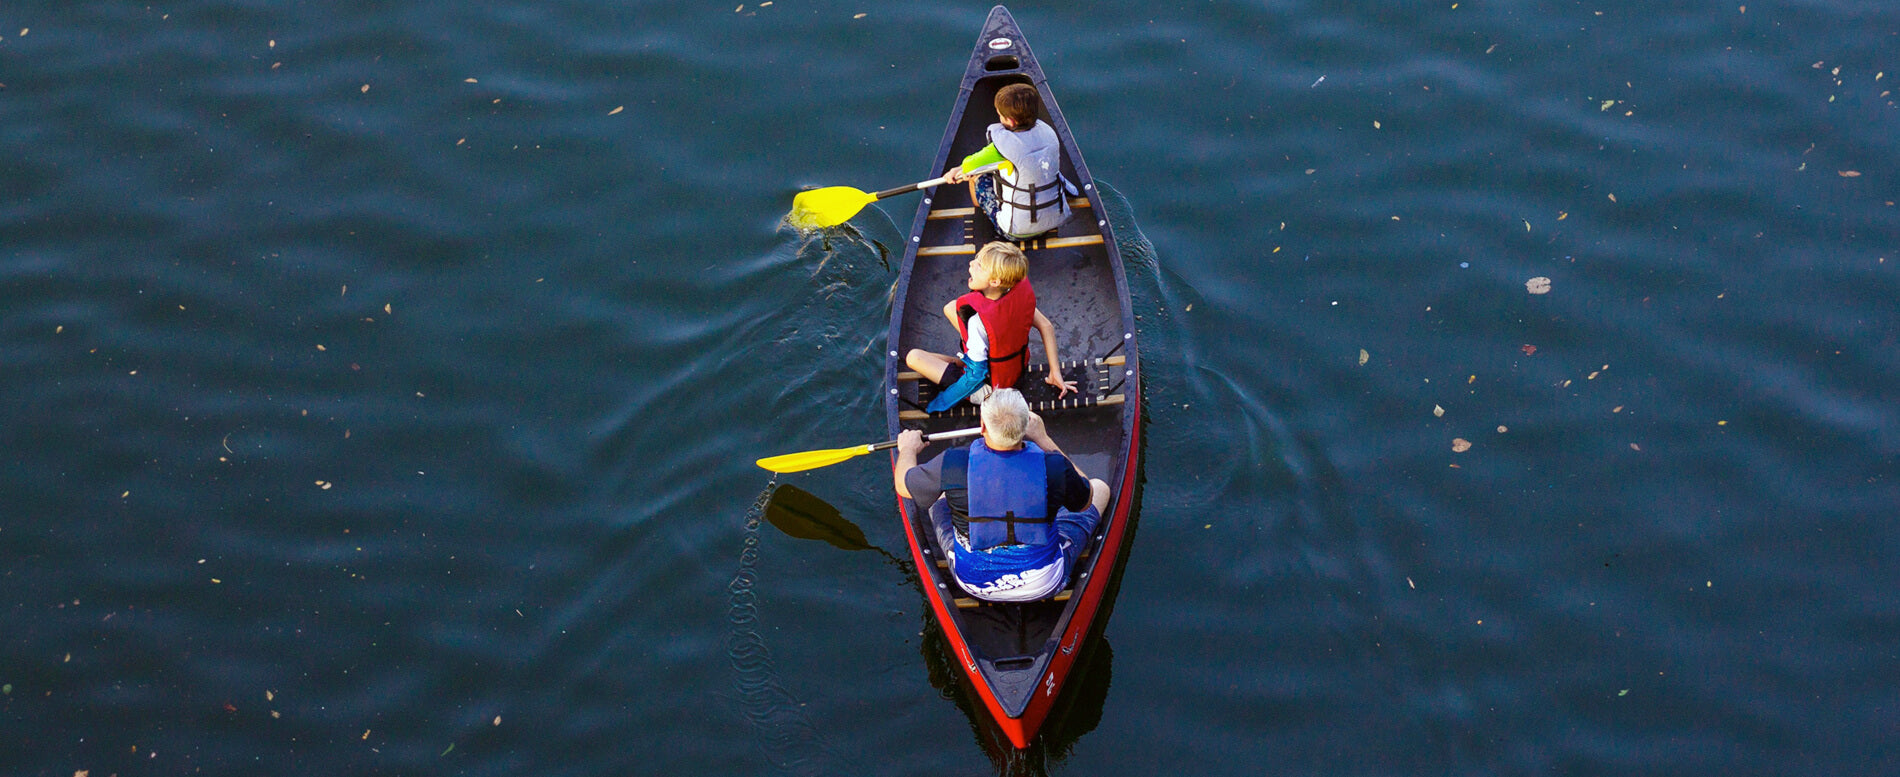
x=785 y=733
x=1077 y=712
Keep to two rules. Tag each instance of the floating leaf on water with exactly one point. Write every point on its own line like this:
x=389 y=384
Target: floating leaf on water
x=616 y=110
x=1364 y=357
x=1850 y=173
x=1606 y=105
x=1528 y=349
x=1538 y=285
x=1438 y=411
x=1460 y=445
x=1624 y=692
x=1502 y=429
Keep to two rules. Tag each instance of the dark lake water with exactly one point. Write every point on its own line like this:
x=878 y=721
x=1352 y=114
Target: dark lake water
x=383 y=381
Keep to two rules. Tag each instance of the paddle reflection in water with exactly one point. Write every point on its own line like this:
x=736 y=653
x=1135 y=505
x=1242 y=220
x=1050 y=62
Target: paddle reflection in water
x=801 y=514
x=786 y=734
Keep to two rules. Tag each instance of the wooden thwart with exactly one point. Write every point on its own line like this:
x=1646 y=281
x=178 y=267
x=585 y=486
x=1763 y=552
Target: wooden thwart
x=967 y=603
x=1028 y=245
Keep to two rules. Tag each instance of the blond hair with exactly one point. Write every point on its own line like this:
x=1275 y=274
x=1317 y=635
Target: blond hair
x=1006 y=263
x=1005 y=418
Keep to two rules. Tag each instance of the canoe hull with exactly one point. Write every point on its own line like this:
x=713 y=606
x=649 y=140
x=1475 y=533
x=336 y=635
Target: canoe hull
x=1016 y=658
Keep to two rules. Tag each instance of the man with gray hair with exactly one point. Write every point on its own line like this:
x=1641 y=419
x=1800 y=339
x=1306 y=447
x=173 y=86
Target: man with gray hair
x=1011 y=512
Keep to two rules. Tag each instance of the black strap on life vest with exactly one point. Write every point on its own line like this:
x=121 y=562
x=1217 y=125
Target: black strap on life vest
x=1034 y=206
x=967 y=312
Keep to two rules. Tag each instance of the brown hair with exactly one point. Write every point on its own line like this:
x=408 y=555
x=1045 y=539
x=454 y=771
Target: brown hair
x=1019 y=103
x=1006 y=263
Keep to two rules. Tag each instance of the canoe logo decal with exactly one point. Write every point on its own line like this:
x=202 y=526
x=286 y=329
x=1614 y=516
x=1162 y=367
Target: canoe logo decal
x=1049 y=686
x=998 y=44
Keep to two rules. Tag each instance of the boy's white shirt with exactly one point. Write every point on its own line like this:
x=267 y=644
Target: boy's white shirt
x=977 y=345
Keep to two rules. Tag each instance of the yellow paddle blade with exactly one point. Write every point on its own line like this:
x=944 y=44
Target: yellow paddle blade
x=799 y=462
x=827 y=207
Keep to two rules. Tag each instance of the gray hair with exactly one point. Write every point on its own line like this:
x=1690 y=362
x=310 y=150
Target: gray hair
x=1006 y=417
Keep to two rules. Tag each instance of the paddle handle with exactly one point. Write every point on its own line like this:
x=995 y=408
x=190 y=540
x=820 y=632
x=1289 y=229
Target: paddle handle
x=951 y=435
x=927 y=184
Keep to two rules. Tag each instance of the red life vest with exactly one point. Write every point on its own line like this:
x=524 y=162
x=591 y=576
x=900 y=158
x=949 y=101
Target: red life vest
x=1007 y=320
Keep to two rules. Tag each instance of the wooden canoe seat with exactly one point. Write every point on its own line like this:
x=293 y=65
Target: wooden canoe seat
x=1075 y=203
x=1096 y=381
x=968 y=603
x=1071 y=402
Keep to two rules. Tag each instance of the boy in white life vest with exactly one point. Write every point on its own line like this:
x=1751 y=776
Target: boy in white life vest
x=992 y=322
x=1027 y=196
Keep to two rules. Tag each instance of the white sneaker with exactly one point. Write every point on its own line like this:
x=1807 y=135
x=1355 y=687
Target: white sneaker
x=981 y=393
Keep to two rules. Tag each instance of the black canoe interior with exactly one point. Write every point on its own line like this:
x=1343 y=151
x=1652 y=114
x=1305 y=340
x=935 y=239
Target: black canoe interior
x=1076 y=288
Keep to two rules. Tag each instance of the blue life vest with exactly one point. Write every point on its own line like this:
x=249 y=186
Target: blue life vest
x=1007 y=492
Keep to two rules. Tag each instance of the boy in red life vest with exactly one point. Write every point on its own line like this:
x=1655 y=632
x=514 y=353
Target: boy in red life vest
x=993 y=323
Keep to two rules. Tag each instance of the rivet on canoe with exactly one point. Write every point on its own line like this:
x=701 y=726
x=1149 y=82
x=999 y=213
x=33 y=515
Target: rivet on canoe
x=913 y=238
x=1128 y=335
x=893 y=391
x=893 y=353
x=1101 y=223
